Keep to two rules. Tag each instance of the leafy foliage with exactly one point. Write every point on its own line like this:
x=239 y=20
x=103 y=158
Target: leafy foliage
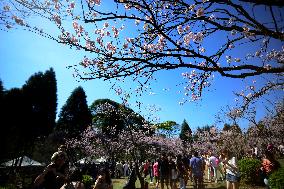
x=167 y=125
x=87 y=180
x=249 y=169
x=276 y=179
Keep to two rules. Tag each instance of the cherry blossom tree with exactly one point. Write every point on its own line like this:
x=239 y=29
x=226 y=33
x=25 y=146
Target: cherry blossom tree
x=138 y=144
x=138 y=39
x=269 y=130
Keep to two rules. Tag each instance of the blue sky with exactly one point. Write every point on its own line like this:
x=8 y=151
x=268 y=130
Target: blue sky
x=24 y=53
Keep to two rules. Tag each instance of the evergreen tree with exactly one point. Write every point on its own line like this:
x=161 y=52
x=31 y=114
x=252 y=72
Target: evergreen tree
x=15 y=135
x=2 y=122
x=75 y=115
x=186 y=133
x=40 y=92
x=28 y=113
x=1 y=91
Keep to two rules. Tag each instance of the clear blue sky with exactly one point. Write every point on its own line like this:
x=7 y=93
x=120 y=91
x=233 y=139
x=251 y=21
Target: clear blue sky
x=24 y=53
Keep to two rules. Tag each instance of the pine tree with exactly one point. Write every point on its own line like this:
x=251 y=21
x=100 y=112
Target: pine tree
x=186 y=133
x=40 y=92
x=75 y=115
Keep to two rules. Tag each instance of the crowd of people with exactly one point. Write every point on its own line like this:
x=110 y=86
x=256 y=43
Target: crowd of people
x=176 y=172
x=164 y=172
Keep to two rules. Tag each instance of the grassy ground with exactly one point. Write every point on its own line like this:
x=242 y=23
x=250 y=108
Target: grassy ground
x=119 y=183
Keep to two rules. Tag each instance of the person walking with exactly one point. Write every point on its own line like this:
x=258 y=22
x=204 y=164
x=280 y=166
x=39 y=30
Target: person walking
x=196 y=165
x=232 y=170
x=156 y=173
x=164 y=171
x=214 y=166
x=181 y=171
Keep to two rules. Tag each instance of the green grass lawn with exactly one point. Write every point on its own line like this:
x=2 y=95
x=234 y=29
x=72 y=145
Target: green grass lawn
x=119 y=183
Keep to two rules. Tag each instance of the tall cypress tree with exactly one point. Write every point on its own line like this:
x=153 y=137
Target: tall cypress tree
x=40 y=92
x=15 y=136
x=75 y=115
x=186 y=133
x=28 y=113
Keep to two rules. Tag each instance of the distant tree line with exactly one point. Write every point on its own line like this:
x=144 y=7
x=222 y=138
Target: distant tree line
x=28 y=117
x=27 y=114
x=29 y=126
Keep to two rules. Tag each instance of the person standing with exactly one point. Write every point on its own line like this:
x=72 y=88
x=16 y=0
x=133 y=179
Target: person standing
x=156 y=172
x=196 y=165
x=213 y=163
x=232 y=170
x=164 y=171
x=126 y=169
x=173 y=173
x=269 y=165
x=208 y=167
x=146 y=168
x=221 y=168
x=181 y=171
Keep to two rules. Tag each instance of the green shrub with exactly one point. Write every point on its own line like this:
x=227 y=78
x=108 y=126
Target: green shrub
x=87 y=180
x=276 y=179
x=249 y=169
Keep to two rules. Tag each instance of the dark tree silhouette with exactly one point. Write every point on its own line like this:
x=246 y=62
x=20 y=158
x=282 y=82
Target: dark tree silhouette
x=185 y=133
x=28 y=114
x=75 y=115
x=41 y=97
x=14 y=124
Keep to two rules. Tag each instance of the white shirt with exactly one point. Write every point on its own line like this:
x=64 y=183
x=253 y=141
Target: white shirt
x=232 y=163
